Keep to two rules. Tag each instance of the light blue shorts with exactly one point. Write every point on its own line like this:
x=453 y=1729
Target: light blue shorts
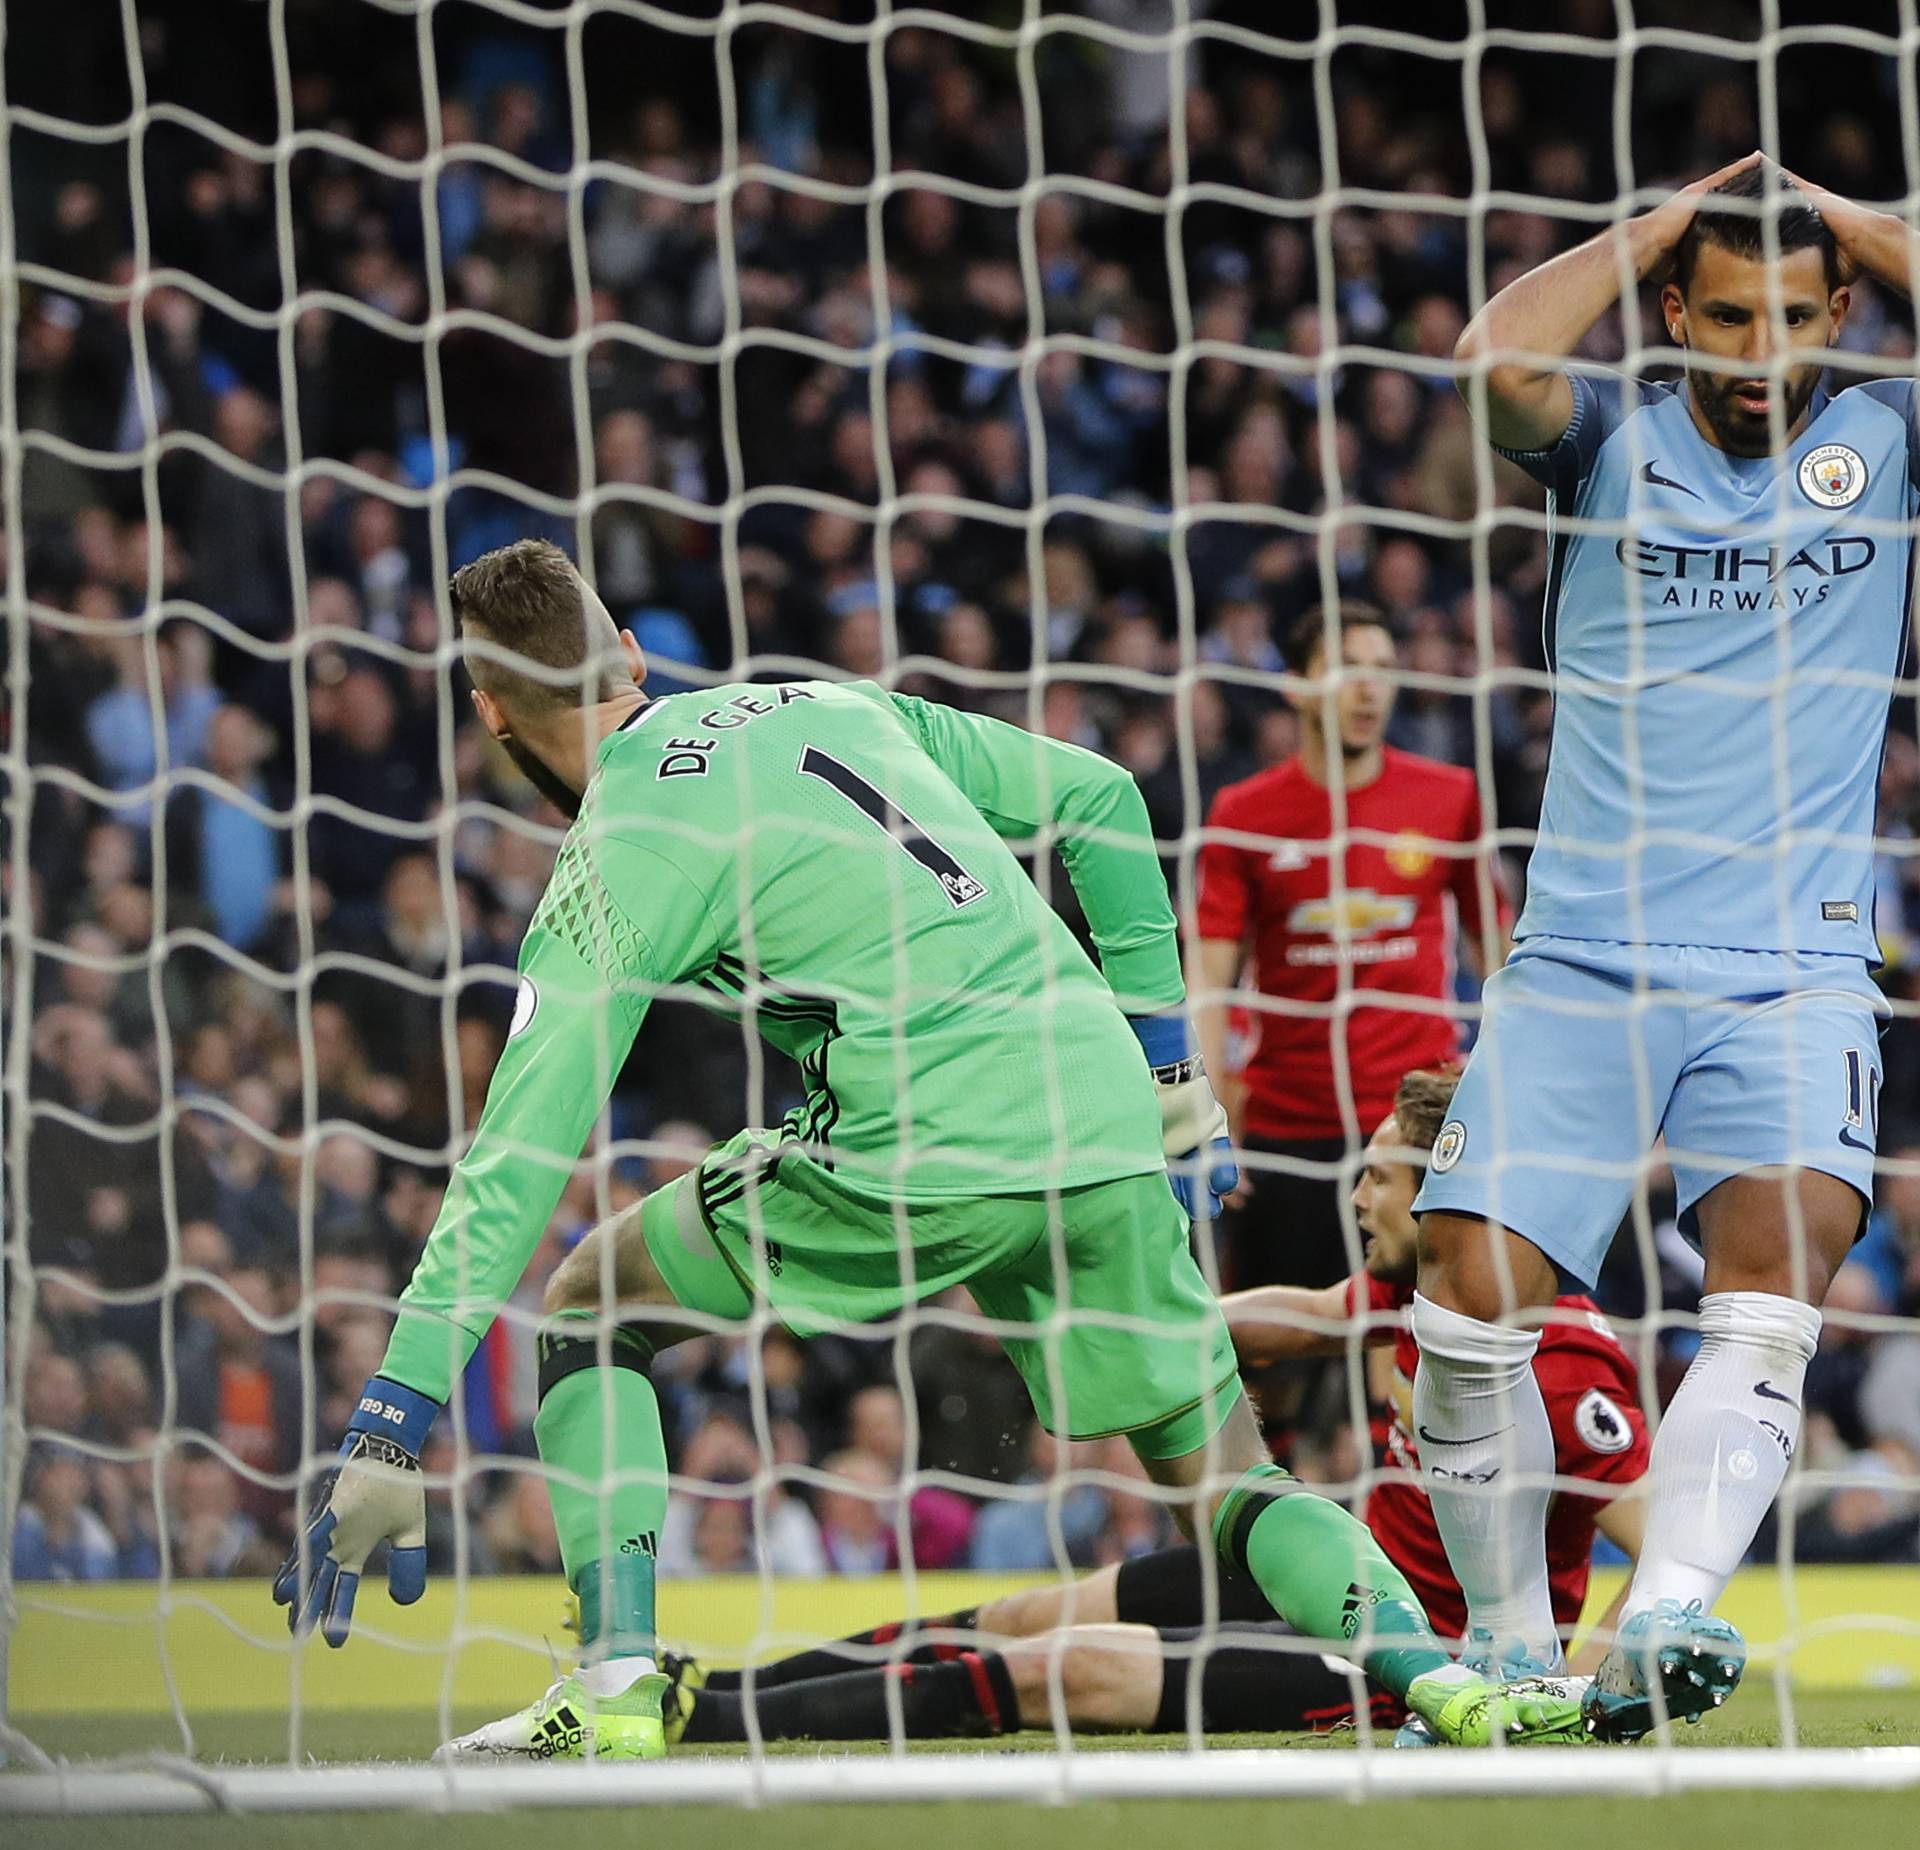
x=1589 y=1051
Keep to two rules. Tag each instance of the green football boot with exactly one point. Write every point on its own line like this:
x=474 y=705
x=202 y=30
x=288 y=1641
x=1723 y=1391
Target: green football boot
x=569 y=1723
x=1466 y=1710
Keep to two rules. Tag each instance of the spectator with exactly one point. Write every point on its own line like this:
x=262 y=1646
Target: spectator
x=856 y=1513
x=940 y=1521
x=120 y=724
x=56 y=1536
x=241 y=1385
x=212 y=1537
x=119 y=1395
x=357 y=765
x=519 y=1530
x=56 y=1396
x=1030 y=1534
x=226 y=850
x=722 y=1452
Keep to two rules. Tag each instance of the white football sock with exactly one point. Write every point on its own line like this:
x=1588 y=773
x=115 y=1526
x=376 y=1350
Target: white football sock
x=1486 y=1454
x=615 y=1676
x=1724 y=1446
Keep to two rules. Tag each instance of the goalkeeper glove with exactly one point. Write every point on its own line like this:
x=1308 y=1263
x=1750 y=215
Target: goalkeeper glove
x=1193 y=1122
x=378 y=1495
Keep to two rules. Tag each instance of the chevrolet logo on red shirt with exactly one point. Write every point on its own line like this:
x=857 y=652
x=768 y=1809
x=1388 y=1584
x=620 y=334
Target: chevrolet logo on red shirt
x=1358 y=912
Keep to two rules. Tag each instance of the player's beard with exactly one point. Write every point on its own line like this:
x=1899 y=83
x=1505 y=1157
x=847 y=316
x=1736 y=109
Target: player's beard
x=1741 y=434
x=543 y=777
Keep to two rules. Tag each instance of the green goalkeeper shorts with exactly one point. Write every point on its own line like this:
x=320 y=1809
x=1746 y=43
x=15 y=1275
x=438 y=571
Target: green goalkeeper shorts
x=1092 y=1291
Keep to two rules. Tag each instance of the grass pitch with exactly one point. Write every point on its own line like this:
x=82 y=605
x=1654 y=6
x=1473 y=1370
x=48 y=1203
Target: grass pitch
x=1755 y=1820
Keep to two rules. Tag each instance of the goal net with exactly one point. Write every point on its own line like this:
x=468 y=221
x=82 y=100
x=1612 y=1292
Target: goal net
x=1090 y=368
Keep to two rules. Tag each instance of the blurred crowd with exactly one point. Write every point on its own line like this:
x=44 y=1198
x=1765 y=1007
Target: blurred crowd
x=276 y=874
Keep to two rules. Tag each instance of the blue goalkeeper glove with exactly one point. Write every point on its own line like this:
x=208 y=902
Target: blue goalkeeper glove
x=1193 y=1122
x=377 y=1495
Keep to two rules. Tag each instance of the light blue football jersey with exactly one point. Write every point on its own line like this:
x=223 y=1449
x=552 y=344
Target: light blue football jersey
x=1724 y=632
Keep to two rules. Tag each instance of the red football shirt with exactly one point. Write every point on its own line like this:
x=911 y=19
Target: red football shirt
x=1592 y=1391
x=1412 y=845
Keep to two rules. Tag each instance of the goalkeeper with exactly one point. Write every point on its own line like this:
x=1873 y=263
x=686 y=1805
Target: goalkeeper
x=829 y=862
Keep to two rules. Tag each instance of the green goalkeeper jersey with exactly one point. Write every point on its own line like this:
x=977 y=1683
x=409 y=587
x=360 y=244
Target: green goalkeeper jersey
x=828 y=863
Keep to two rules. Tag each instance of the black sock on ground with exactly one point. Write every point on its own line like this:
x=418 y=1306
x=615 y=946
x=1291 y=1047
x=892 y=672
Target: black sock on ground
x=1250 y=1687
x=1168 y=1588
x=973 y=1695
x=862 y=1651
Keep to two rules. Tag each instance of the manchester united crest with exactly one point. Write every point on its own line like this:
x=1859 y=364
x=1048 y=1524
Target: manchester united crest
x=1408 y=856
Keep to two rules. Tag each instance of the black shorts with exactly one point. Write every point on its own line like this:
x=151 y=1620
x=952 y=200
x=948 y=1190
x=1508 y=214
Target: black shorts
x=1293 y=1230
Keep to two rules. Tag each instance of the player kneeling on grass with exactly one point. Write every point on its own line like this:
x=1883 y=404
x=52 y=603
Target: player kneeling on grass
x=1130 y=1647
x=830 y=863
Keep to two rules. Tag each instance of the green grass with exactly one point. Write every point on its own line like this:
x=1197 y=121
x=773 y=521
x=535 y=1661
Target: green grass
x=1755 y=1820
x=1827 y=1718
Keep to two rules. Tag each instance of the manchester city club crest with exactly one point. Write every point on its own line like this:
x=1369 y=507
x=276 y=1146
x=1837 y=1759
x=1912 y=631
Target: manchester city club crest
x=1833 y=475
x=1449 y=1146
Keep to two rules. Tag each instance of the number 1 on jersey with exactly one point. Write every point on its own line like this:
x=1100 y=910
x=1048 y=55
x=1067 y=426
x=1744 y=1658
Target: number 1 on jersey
x=960 y=887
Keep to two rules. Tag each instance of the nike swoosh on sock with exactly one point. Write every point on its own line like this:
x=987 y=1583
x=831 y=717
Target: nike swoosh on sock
x=1433 y=1438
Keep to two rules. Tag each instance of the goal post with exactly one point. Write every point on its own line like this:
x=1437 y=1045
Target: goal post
x=1054 y=362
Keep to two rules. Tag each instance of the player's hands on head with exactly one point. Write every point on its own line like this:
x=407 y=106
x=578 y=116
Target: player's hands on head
x=1667 y=223
x=1852 y=225
x=1193 y=1123
x=378 y=1495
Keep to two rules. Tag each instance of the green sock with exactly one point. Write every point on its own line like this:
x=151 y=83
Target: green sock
x=1323 y=1572
x=602 y=1425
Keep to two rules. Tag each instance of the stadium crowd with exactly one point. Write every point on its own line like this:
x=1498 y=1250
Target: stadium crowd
x=268 y=990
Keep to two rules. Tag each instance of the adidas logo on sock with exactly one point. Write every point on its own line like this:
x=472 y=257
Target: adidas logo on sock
x=1354 y=1605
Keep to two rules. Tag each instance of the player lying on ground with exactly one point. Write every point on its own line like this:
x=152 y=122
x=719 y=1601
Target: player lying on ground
x=830 y=863
x=1129 y=1644
x=1696 y=951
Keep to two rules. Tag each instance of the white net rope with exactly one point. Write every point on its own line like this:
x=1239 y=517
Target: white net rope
x=653 y=261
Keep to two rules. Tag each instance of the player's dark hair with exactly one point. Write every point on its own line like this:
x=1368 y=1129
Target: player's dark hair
x=1420 y=1106
x=1308 y=631
x=1743 y=228
x=525 y=598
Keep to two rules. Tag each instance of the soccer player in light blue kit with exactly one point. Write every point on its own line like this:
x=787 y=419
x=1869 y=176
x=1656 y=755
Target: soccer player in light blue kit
x=1728 y=605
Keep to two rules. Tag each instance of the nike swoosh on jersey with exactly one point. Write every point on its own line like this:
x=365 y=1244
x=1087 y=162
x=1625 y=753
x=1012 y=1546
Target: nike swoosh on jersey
x=1767 y=1391
x=1665 y=481
x=1854 y=1143
x=1429 y=1438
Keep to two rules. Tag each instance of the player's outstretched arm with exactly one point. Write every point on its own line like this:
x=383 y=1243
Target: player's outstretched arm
x=1517 y=341
x=573 y=1025
x=1284 y=1323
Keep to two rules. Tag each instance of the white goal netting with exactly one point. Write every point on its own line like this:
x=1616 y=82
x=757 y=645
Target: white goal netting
x=1087 y=367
